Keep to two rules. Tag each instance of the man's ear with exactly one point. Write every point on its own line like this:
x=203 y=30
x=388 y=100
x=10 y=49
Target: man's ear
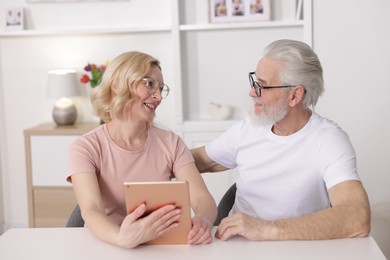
x=297 y=95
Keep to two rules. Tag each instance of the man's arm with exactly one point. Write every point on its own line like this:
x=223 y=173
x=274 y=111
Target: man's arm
x=349 y=216
x=204 y=163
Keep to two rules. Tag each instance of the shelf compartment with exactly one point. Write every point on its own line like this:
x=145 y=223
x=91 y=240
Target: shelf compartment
x=215 y=66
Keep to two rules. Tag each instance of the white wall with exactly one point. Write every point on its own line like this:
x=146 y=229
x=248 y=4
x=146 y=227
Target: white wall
x=2 y=156
x=351 y=38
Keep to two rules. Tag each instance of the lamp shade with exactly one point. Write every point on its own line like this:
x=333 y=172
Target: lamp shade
x=62 y=83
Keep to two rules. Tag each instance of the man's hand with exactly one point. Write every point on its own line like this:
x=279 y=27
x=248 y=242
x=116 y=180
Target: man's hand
x=241 y=224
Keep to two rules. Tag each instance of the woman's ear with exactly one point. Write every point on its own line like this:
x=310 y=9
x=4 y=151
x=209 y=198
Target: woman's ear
x=297 y=95
x=113 y=87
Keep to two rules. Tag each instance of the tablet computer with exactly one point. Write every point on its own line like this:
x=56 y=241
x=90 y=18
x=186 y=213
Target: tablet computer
x=156 y=195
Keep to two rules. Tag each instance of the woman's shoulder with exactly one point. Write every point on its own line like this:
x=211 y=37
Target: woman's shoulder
x=165 y=134
x=93 y=136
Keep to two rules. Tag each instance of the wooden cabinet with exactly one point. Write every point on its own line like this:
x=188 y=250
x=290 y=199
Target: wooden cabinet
x=50 y=197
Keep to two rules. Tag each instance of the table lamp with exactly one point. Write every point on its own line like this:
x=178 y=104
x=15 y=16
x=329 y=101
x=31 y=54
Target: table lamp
x=62 y=84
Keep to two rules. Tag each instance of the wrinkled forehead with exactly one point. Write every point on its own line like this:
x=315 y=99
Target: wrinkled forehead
x=268 y=70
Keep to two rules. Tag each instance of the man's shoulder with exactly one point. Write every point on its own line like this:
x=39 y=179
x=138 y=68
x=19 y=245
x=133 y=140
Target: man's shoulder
x=326 y=127
x=324 y=122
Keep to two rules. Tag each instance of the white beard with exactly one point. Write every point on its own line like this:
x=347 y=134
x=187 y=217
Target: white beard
x=270 y=115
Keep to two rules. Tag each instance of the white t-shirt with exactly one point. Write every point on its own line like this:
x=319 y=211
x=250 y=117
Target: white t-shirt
x=285 y=176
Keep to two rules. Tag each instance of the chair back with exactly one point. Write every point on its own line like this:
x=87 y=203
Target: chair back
x=75 y=219
x=226 y=204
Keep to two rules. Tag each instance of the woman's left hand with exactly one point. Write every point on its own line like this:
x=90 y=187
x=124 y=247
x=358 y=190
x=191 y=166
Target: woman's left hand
x=200 y=232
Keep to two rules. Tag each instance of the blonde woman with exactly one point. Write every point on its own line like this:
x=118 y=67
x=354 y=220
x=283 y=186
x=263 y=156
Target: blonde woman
x=129 y=148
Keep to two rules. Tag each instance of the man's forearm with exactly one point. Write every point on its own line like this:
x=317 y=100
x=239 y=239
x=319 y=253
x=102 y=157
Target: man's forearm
x=200 y=159
x=332 y=223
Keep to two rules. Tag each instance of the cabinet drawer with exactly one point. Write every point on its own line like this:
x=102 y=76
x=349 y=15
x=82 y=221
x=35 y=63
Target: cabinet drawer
x=52 y=206
x=49 y=159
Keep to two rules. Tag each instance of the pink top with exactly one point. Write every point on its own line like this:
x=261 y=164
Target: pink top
x=95 y=152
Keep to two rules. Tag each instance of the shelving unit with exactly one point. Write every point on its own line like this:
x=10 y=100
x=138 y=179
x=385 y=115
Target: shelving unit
x=214 y=59
x=210 y=61
x=203 y=62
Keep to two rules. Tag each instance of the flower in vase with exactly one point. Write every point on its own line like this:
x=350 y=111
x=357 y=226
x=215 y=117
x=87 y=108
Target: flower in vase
x=94 y=74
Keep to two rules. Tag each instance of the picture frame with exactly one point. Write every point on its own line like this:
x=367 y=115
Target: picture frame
x=14 y=18
x=239 y=10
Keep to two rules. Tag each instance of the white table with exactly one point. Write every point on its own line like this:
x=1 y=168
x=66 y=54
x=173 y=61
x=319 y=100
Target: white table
x=79 y=243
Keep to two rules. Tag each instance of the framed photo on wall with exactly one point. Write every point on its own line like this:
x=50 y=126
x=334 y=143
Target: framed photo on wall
x=239 y=10
x=14 y=18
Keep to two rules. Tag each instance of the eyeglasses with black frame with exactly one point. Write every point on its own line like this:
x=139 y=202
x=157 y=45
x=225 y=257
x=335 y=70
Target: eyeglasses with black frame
x=152 y=85
x=256 y=85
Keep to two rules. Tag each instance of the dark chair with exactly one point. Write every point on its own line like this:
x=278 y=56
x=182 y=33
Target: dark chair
x=75 y=219
x=226 y=204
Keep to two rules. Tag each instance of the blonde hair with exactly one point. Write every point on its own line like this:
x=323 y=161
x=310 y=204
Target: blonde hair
x=124 y=73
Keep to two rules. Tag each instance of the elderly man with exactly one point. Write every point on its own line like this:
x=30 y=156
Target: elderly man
x=297 y=175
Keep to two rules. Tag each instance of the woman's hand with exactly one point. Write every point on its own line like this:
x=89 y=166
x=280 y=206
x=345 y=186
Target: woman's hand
x=136 y=230
x=200 y=232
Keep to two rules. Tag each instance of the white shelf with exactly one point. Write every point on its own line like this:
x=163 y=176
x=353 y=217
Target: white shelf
x=84 y=31
x=243 y=25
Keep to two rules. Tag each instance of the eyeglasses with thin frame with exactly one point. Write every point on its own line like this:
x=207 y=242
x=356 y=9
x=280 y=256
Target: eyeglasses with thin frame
x=256 y=85
x=152 y=85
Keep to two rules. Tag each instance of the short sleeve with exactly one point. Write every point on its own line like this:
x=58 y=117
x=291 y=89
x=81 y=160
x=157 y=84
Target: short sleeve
x=223 y=149
x=80 y=158
x=338 y=158
x=183 y=155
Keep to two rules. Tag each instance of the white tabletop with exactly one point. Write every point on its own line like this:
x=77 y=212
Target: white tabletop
x=79 y=243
